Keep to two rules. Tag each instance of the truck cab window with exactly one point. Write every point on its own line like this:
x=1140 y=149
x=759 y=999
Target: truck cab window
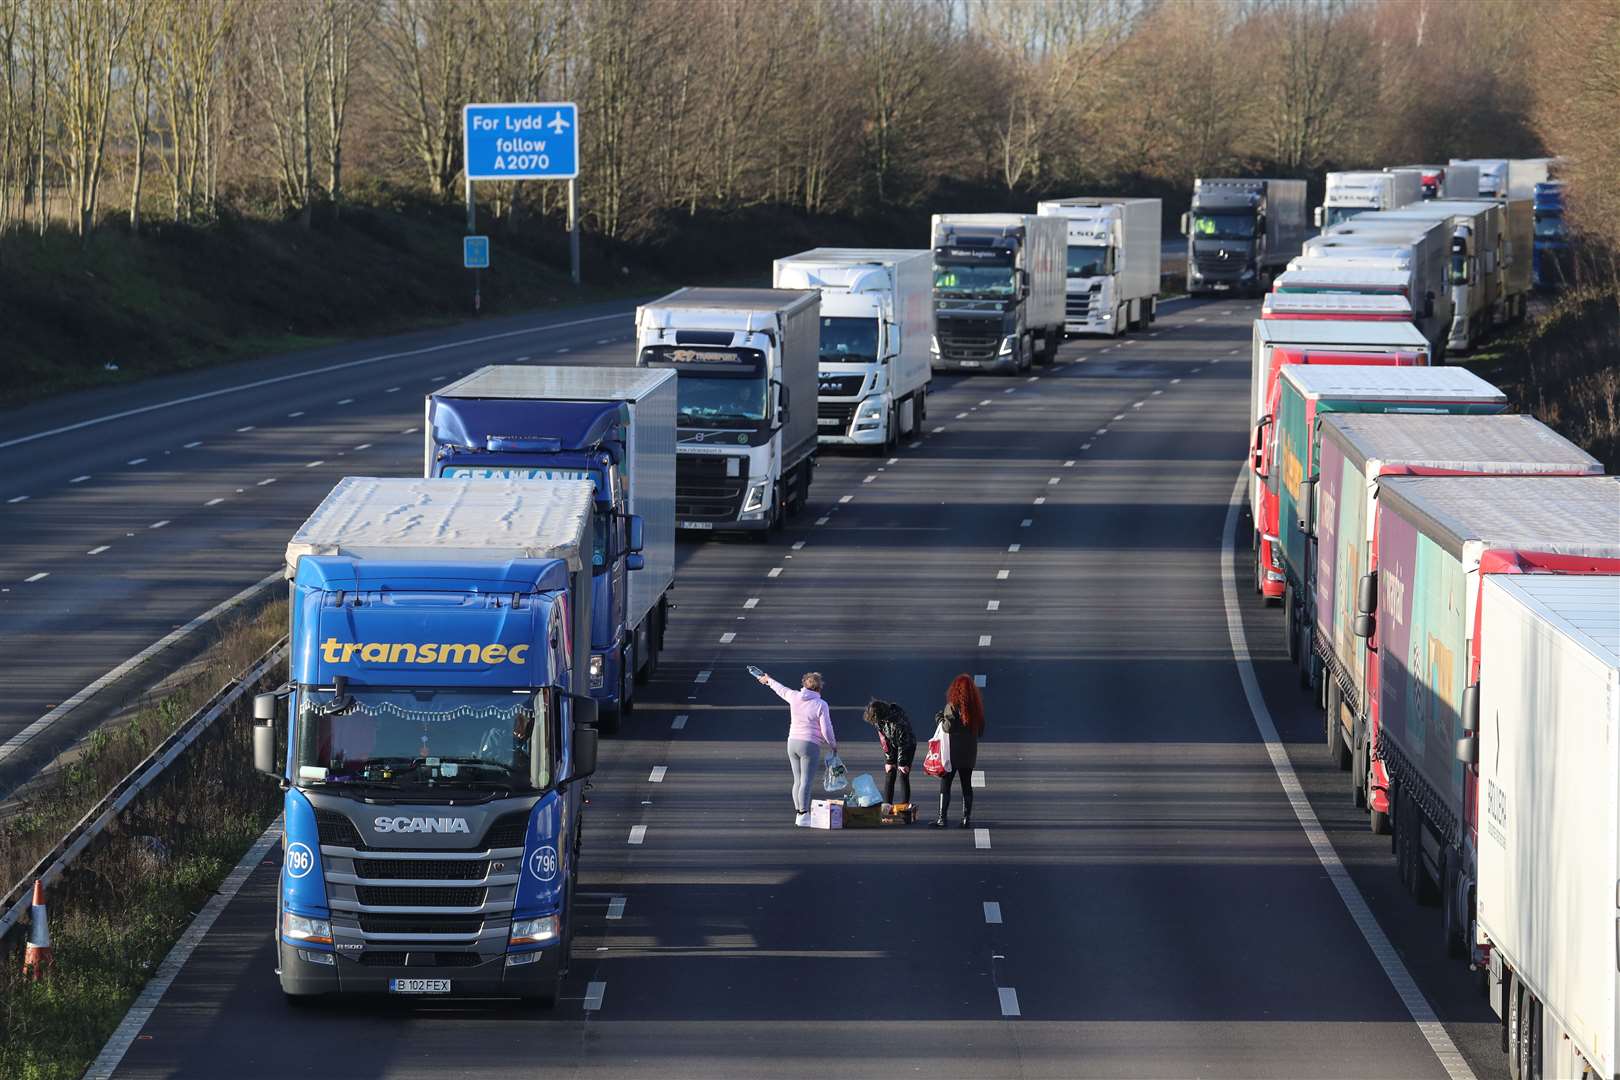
x=1088 y=261
x=1224 y=226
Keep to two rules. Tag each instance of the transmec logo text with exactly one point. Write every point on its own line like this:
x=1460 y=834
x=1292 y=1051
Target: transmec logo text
x=334 y=651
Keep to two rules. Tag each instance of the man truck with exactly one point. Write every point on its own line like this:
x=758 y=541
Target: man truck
x=1549 y=858
x=998 y=291
x=745 y=363
x=438 y=738
x=1439 y=538
x=877 y=315
x=613 y=426
x=1113 y=262
x=1241 y=233
x=1356 y=454
x=1352 y=193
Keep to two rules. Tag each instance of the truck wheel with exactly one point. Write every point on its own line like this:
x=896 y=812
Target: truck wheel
x=1290 y=627
x=1118 y=326
x=1515 y=1026
x=1259 y=573
x=1338 y=752
x=922 y=408
x=1450 y=923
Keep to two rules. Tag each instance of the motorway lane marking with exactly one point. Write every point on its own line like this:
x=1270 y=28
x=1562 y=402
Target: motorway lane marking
x=986 y=401
x=17 y=499
x=703 y=676
x=821 y=521
x=751 y=603
x=264 y=483
x=892 y=461
x=410 y=431
x=1012 y=549
x=678 y=723
x=1102 y=431
x=1085 y=446
x=984 y=641
x=1069 y=464
x=727 y=639
x=638 y=833
x=1174 y=381
x=136 y=461
x=870 y=477
x=192 y=445
x=593 y=994
x=657 y=774
x=936 y=431
x=1001 y=575
x=214 y=502
x=616 y=905
x=240 y=430
x=1033 y=378
x=158 y=524
x=561 y=351
x=992 y=912
x=1051 y=480
x=1009 y=1001
x=1138 y=404
x=41 y=576
x=312 y=464
x=1406 y=988
x=977 y=780
x=776 y=571
x=981 y=839
x=98 y=550
x=980 y=680
x=1120 y=416
x=842 y=499
x=1026 y=523
x=1216 y=360
x=129 y=1029
x=798 y=545
x=961 y=416
x=1156 y=393
x=1196 y=370
x=992 y=605
x=392 y=390
x=79 y=479
x=1040 y=500
x=350 y=400
x=364 y=446
x=295 y=415
x=1010 y=390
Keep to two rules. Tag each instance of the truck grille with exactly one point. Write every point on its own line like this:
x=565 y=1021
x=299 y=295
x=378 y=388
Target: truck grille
x=703 y=491
x=508 y=831
x=420 y=924
x=841 y=385
x=336 y=830
x=1077 y=306
x=421 y=869
x=839 y=412
x=1213 y=266
x=419 y=896
x=371 y=958
x=969 y=339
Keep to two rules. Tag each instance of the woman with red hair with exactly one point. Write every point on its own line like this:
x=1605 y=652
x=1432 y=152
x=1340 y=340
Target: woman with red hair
x=962 y=720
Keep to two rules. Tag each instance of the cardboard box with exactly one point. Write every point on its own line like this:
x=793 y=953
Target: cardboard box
x=861 y=817
x=826 y=814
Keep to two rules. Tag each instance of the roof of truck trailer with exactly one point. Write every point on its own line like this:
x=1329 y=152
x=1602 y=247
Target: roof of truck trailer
x=856 y=255
x=1499 y=442
x=557 y=382
x=698 y=298
x=1305 y=271
x=1432 y=209
x=1568 y=515
x=1347 y=333
x=410 y=519
x=1374 y=381
x=1586 y=607
x=1337 y=303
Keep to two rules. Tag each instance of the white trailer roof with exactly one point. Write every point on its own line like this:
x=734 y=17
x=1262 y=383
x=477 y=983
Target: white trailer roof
x=1343 y=333
x=554 y=382
x=426 y=520
x=1329 y=272
x=1569 y=515
x=1336 y=304
x=885 y=256
x=1494 y=443
x=768 y=301
x=1374 y=381
x=1586 y=607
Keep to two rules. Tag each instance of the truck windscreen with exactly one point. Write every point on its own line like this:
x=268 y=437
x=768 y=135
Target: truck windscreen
x=1337 y=214
x=849 y=340
x=977 y=279
x=420 y=740
x=1086 y=260
x=717 y=384
x=1235 y=225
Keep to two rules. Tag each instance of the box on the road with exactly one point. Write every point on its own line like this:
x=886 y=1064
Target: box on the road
x=826 y=814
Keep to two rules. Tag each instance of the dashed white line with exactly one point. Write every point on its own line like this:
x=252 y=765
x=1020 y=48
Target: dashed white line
x=986 y=401
x=992 y=912
x=17 y=499
x=312 y=464
x=79 y=479
x=294 y=415
x=561 y=351
x=41 y=576
x=984 y=641
x=1001 y=575
x=1033 y=378
x=616 y=905
x=1085 y=446
x=980 y=680
x=657 y=774
x=364 y=446
x=1156 y=393
x=869 y=478
x=978 y=779
x=350 y=400
x=1138 y=404
x=244 y=428
x=594 y=990
x=703 y=676
x=1174 y=381
x=1195 y=371
x=264 y=483
x=775 y=571
x=192 y=445
x=1012 y=549
x=1010 y=390
x=1051 y=481
x=604 y=341
x=798 y=545
x=1026 y=523
x=1119 y=416
x=1069 y=464
x=727 y=638
x=158 y=524
x=1040 y=500
x=638 y=833
x=98 y=550
x=981 y=839
x=842 y=499
x=678 y=723
x=892 y=461
x=821 y=521
x=992 y=605
x=961 y=416
x=1102 y=431
x=751 y=603
x=214 y=502
x=136 y=461
x=392 y=390
x=410 y=431
x=936 y=431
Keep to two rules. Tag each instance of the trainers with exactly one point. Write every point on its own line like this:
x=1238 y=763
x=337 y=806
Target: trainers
x=802 y=820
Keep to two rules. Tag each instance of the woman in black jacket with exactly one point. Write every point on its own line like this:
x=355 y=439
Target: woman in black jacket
x=962 y=720
x=899 y=747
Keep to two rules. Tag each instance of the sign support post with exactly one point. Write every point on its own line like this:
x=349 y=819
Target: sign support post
x=573 y=229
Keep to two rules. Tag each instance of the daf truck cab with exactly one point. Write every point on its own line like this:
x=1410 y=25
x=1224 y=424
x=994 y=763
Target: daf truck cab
x=998 y=291
x=1113 y=262
x=438 y=738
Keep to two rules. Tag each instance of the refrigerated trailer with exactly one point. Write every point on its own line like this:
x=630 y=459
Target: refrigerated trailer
x=1307 y=395
x=1437 y=538
x=1241 y=233
x=1342 y=277
x=1549 y=827
x=1447 y=181
x=1480 y=251
x=1359 y=307
x=999 y=283
x=1113 y=262
x=1356 y=454
x=1421 y=247
x=1350 y=193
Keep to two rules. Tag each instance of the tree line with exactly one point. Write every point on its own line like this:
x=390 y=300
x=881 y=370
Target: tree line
x=115 y=112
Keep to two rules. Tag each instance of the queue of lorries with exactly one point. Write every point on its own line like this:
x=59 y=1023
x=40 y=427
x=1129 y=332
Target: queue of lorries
x=459 y=639
x=1449 y=577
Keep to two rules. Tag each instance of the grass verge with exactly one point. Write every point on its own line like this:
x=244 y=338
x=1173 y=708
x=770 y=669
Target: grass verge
x=122 y=905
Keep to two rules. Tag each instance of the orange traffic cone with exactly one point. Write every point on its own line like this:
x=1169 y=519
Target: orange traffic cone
x=37 y=958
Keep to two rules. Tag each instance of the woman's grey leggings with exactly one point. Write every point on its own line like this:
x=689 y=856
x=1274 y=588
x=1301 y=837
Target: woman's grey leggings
x=803 y=755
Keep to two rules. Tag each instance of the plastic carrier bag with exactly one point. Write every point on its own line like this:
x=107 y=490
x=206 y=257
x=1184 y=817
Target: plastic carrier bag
x=864 y=791
x=837 y=778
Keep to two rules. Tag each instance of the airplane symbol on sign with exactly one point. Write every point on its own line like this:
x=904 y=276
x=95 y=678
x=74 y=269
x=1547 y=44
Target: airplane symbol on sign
x=558 y=124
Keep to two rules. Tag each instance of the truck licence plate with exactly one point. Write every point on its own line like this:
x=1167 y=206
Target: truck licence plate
x=968 y=363
x=419 y=986
x=697 y=524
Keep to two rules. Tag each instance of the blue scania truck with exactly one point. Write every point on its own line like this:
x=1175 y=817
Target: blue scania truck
x=437 y=738
x=614 y=426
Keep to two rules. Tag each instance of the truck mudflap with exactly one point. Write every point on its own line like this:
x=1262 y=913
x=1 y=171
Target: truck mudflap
x=486 y=975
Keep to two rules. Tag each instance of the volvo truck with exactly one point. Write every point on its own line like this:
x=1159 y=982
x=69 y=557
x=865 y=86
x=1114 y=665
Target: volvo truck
x=998 y=291
x=438 y=737
x=1352 y=193
x=1241 y=233
x=1357 y=453
x=877 y=317
x=1549 y=819
x=1113 y=262
x=613 y=426
x=746 y=364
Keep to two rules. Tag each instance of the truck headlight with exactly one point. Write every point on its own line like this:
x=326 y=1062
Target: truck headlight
x=755 y=499
x=870 y=411
x=298 y=928
x=598 y=666
x=541 y=931
x=1007 y=344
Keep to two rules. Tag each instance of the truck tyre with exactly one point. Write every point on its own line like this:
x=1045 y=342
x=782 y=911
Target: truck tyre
x=1358 y=768
x=1290 y=624
x=1153 y=309
x=1338 y=752
x=1515 y=1027
x=1377 y=820
x=1118 y=326
x=1451 y=922
x=1259 y=573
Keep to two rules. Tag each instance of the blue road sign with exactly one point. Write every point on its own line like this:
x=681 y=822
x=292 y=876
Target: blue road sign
x=475 y=252
x=535 y=141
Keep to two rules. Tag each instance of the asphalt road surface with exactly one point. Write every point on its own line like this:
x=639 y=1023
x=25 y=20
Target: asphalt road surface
x=1138 y=898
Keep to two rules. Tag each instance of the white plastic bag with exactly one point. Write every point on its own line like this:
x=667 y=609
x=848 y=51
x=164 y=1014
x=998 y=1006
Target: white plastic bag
x=837 y=778
x=944 y=739
x=864 y=791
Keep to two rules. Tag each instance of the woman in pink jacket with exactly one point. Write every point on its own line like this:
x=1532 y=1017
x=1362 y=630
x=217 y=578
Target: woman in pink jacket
x=809 y=730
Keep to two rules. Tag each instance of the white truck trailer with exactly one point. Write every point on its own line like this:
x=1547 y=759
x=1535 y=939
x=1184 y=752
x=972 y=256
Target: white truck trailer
x=877 y=315
x=746 y=362
x=1421 y=246
x=1508 y=178
x=1447 y=181
x=1549 y=819
x=1113 y=264
x=1352 y=193
x=998 y=291
x=1481 y=249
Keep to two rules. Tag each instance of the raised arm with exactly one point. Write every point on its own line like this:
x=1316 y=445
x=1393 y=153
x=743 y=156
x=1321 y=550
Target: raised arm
x=778 y=689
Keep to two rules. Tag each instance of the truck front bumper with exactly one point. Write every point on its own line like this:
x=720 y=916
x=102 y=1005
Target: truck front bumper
x=852 y=428
x=1002 y=364
x=490 y=976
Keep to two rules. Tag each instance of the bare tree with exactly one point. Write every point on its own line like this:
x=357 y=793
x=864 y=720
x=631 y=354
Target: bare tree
x=10 y=73
x=340 y=23
x=146 y=18
x=284 y=61
x=428 y=48
x=191 y=64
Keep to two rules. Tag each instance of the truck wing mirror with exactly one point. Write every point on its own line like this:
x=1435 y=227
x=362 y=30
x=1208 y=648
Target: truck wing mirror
x=781 y=401
x=1367 y=595
x=1257 y=452
x=635 y=561
x=1318 y=217
x=586 y=737
x=1307 y=507
x=1023 y=284
x=633 y=532
x=1470 y=709
x=265 y=758
x=1468 y=748
x=1366 y=626
x=1186 y=224
x=895 y=338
